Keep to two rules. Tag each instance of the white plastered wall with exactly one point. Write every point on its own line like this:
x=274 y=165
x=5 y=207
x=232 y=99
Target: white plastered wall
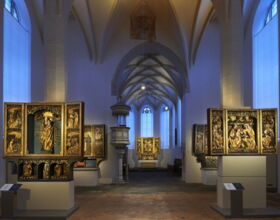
x=204 y=93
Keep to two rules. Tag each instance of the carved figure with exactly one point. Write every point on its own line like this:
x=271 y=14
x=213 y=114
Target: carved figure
x=47 y=132
x=148 y=146
x=98 y=134
x=57 y=170
x=248 y=137
x=73 y=119
x=235 y=137
x=87 y=144
x=268 y=136
x=217 y=136
x=72 y=144
x=46 y=171
x=27 y=169
x=70 y=122
x=10 y=148
x=14 y=120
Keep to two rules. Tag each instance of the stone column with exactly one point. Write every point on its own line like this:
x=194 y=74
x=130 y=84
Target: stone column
x=56 y=14
x=121 y=155
x=230 y=18
x=2 y=161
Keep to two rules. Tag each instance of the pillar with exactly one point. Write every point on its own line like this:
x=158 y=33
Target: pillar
x=2 y=161
x=56 y=14
x=231 y=25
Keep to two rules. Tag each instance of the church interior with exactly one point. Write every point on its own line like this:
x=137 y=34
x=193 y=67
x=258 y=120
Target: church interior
x=139 y=109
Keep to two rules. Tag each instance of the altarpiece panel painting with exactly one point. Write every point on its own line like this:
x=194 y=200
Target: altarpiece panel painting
x=269 y=131
x=43 y=139
x=94 y=141
x=14 y=130
x=245 y=131
x=148 y=148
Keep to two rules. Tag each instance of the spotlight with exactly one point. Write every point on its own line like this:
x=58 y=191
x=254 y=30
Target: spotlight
x=143 y=87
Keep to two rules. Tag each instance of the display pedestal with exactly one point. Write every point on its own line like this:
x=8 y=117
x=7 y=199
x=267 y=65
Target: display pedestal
x=250 y=171
x=148 y=163
x=46 y=199
x=209 y=176
x=86 y=176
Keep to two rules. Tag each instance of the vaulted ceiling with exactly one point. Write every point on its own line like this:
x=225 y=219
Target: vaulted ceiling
x=180 y=25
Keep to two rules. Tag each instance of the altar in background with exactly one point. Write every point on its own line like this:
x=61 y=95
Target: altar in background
x=148 y=149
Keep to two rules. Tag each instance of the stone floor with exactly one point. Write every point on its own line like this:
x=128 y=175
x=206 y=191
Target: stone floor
x=150 y=196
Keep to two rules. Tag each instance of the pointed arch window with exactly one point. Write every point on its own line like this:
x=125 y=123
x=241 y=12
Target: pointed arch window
x=266 y=59
x=131 y=124
x=164 y=127
x=16 y=52
x=147 y=122
x=11 y=7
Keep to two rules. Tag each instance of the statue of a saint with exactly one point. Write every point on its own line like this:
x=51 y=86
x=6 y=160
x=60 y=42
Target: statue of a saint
x=10 y=148
x=27 y=169
x=249 y=137
x=46 y=171
x=47 y=132
x=87 y=149
x=57 y=170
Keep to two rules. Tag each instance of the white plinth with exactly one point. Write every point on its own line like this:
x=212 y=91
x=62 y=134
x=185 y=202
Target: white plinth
x=46 y=196
x=86 y=176
x=148 y=163
x=250 y=171
x=209 y=176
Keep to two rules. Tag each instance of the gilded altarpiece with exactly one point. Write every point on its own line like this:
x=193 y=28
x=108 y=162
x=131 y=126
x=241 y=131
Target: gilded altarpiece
x=242 y=133
x=148 y=148
x=14 y=129
x=37 y=139
x=74 y=129
x=216 y=125
x=245 y=131
x=200 y=146
x=269 y=131
x=94 y=141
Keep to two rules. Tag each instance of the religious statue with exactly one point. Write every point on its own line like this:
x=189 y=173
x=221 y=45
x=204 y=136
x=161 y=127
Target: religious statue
x=76 y=120
x=235 y=137
x=27 y=169
x=249 y=137
x=14 y=120
x=58 y=170
x=87 y=149
x=148 y=146
x=10 y=148
x=47 y=132
x=73 y=119
x=72 y=144
x=46 y=171
x=268 y=135
x=98 y=134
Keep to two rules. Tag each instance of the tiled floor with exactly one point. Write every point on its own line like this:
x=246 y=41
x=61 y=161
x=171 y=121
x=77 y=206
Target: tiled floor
x=149 y=195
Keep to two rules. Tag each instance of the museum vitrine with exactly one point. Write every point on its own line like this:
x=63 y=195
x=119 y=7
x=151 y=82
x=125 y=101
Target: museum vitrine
x=44 y=139
x=242 y=131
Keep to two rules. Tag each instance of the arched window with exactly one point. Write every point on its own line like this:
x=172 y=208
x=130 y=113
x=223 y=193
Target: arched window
x=147 y=122
x=130 y=122
x=16 y=73
x=265 y=56
x=164 y=127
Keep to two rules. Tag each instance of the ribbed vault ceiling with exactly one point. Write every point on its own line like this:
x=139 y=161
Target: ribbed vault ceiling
x=181 y=22
x=157 y=75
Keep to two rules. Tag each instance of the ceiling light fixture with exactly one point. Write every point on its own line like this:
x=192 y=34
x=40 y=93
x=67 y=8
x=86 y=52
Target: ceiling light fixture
x=143 y=87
